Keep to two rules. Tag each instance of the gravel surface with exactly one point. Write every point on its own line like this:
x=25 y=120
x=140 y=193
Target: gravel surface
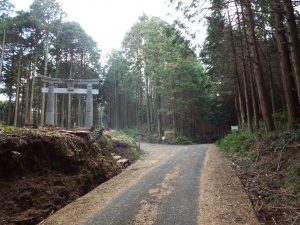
x=163 y=188
x=80 y=210
x=222 y=197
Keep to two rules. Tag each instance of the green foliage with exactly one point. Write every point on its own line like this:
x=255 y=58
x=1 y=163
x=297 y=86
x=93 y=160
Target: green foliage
x=133 y=133
x=292 y=181
x=280 y=116
x=158 y=71
x=236 y=142
x=54 y=134
x=105 y=142
x=135 y=153
x=10 y=129
x=291 y=136
x=181 y=140
x=237 y=146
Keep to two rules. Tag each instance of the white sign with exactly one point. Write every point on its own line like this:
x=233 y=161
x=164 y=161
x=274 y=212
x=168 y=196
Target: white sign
x=234 y=128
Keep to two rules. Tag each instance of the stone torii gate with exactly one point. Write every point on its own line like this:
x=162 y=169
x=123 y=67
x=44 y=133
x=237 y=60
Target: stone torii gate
x=51 y=90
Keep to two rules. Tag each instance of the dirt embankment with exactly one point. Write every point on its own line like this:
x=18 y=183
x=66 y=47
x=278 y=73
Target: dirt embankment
x=269 y=168
x=41 y=171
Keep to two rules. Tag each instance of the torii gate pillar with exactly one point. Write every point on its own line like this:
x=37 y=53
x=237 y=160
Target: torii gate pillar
x=50 y=105
x=89 y=107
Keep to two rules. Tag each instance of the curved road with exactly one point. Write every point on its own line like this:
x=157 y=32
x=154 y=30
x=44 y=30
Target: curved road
x=166 y=195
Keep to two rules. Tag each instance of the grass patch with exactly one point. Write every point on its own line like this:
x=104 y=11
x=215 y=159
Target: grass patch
x=136 y=154
x=292 y=182
x=181 y=140
x=133 y=133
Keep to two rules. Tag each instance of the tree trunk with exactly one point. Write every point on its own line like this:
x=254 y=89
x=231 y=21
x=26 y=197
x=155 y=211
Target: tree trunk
x=251 y=76
x=141 y=117
x=27 y=98
x=32 y=85
x=285 y=64
x=159 y=117
x=116 y=99
x=2 y=53
x=45 y=74
x=293 y=39
x=8 y=117
x=272 y=89
x=236 y=77
x=17 y=91
x=148 y=107
x=244 y=75
x=262 y=94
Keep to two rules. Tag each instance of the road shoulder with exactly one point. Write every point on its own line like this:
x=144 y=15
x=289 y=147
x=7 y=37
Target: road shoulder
x=222 y=197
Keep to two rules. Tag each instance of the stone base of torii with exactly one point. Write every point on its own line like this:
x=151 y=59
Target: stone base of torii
x=51 y=90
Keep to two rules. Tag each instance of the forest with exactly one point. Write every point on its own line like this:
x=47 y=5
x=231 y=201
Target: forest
x=247 y=71
x=162 y=80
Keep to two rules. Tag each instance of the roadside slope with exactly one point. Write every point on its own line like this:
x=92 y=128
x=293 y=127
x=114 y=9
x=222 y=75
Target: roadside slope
x=42 y=170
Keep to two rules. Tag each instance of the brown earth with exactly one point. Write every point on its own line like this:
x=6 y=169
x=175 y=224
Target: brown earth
x=41 y=171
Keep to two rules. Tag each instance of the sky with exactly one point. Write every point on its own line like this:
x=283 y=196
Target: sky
x=107 y=21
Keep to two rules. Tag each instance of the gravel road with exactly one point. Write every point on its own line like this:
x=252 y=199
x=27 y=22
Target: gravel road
x=166 y=195
x=170 y=185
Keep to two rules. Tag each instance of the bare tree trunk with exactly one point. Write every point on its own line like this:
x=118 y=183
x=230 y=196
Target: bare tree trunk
x=251 y=76
x=262 y=94
x=116 y=99
x=32 y=85
x=244 y=76
x=293 y=39
x=27 y=98
x=2 y=53
x=237 y=108
x=17 y=91
x=285 y=64
x=159 y=117
x=148 y=107
x=10 y=91
x=141 y=117
x=45 y=74
x=236 y=77
x=272 y=89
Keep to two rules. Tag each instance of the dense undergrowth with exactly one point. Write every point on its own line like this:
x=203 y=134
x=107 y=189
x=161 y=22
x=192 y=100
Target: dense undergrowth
x=269 y=168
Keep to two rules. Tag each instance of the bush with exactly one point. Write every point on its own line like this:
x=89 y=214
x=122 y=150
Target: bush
x=292 y=182
x=181 y=140
x=236 y=142
x=133 y=133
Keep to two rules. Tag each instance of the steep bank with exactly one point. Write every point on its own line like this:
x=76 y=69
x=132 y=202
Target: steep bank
x=269 y=168
x=43 y=170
